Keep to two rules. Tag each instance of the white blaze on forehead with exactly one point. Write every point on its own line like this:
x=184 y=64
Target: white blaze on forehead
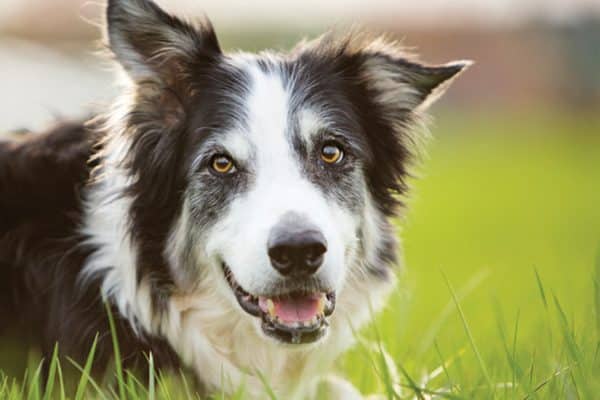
x=280 y=182
x=268 y=113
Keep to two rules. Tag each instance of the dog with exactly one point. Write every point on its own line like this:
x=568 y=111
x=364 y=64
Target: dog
x=232 y=212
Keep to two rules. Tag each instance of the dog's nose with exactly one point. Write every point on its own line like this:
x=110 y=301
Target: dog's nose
x=300 y=254
x=296 y=249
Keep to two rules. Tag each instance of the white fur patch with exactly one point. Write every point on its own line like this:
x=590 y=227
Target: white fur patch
x=106 y=228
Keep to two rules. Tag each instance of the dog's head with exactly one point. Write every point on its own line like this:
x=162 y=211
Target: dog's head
x=274 y=174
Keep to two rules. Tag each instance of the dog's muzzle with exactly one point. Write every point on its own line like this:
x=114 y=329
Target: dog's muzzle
x=294 y=317
x=296 y=310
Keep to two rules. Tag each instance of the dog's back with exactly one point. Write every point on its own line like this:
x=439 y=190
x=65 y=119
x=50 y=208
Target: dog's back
x=40 y=181
x=41 y=174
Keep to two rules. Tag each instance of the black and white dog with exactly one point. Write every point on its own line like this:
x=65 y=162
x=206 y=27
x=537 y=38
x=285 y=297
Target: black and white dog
x=233 y=209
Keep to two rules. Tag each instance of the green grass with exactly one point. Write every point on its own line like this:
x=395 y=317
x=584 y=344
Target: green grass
x=500 y=297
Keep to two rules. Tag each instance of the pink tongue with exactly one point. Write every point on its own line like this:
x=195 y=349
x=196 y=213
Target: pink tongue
x=296 y=309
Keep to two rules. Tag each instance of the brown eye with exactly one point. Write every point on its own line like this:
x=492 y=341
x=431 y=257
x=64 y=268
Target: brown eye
x=332 y=153
x=222 y=164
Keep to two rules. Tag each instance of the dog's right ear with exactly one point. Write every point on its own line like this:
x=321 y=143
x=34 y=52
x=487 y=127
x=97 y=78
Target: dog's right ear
x=150 y=44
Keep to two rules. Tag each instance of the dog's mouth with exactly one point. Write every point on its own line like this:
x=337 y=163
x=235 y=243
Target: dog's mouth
x=295 y=317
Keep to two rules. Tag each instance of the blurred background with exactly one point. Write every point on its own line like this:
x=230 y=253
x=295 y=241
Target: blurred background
x=511 y=184
x=530 y=54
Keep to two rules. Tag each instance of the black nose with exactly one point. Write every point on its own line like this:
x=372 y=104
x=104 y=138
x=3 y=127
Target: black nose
x=297 y=252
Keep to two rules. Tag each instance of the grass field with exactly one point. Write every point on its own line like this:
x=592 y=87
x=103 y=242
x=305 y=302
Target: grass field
x=501 y=294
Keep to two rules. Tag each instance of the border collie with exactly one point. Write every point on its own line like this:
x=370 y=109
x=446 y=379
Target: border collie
x=234 y=210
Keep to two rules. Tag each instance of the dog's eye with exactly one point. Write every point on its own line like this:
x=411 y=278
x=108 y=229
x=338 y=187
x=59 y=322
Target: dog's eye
x=222 y=164
x=332 y=153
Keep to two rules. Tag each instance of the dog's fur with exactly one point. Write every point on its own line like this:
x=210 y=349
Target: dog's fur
x=125 y=208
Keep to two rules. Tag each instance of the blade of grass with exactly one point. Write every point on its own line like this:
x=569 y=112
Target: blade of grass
x=131 y=386
x=532 y=366
x=34 y=384
x=269 y=391
x=572 y=346
x=83 y=381
x=186 y=387
x=239 y=393
x=484 y=369
x=151 y=378
x=575 y=385
x=541 y=288
x=117 y=352
x=577 y=355
x=366 y=352
x=51 y=373
x=384 y=367
x=163 y=386
x=88 y=378
x=443 y=364
x=597 y=295
x=386 y=363
x=438 y=321
x=516 y=370
x=134 y=381
x=518 y=376
x=387 y=366
x=135 y=387
x=3 y=386
x=61 y=381
x=22 y=387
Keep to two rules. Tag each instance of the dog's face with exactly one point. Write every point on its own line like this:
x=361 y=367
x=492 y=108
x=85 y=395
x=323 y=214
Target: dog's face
x=275 y=172
x=278 y=196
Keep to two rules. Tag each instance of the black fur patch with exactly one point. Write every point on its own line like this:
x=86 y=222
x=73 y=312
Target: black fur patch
x=41 y=253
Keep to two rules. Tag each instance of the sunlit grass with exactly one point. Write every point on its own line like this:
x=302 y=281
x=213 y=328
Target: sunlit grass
x=500 y=297
x=504 y=207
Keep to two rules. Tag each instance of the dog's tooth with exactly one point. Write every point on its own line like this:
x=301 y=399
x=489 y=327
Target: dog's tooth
x=271 y=308
x=321 y=305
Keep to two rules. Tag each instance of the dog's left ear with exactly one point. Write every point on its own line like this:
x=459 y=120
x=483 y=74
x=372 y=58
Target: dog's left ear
x=149 y=43
x=402 y=83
